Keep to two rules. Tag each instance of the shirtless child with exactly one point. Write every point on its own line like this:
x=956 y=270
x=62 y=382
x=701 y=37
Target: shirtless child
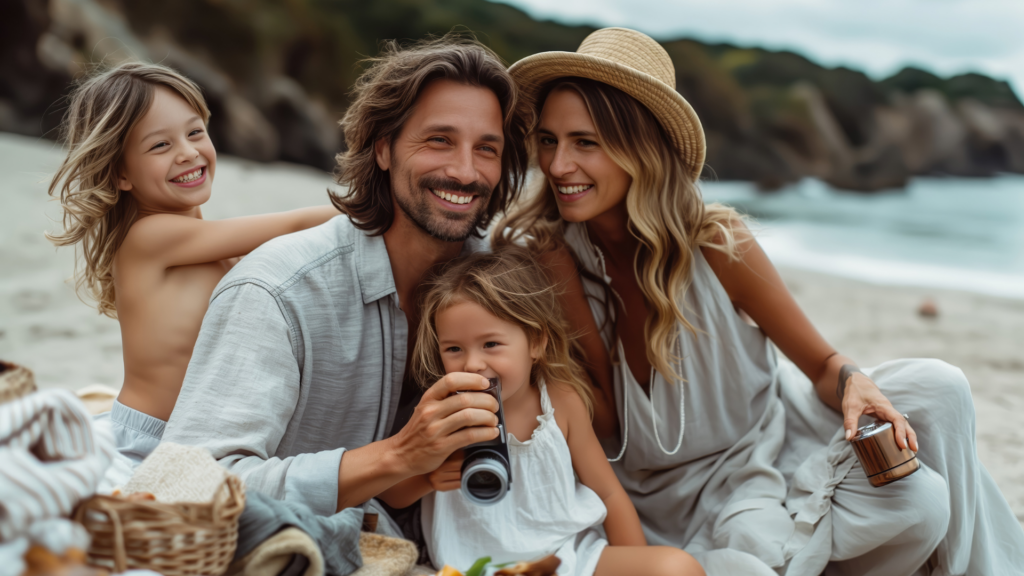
x=140 y=164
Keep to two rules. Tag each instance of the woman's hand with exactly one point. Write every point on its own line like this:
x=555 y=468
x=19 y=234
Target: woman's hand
x=862 y=396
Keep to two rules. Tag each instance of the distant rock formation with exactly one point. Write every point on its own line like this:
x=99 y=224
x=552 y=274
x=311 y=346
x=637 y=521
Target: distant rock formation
x=276 y=76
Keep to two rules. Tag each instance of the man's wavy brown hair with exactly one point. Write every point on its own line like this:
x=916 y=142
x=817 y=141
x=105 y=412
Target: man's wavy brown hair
x=384 y=99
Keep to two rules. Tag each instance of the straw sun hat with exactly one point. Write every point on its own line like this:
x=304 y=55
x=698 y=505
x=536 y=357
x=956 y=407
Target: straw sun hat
x=634 y=63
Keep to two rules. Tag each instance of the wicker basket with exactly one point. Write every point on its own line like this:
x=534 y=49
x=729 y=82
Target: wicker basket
x=172 y=539
x=15 y=382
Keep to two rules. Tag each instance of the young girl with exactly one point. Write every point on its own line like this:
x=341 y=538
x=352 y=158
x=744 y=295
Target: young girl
x=140 y=164
x=496 y=315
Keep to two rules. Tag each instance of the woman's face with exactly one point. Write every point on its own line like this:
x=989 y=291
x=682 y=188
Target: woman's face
x=586 y=182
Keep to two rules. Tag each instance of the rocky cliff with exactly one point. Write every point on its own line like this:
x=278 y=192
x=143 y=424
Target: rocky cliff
x=276 y=75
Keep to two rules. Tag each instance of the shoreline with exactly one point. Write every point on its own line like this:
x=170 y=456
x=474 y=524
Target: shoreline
x=44 y=326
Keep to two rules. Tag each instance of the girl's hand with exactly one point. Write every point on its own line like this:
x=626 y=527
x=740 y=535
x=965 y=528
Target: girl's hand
x=448 y=475
x=862 y=396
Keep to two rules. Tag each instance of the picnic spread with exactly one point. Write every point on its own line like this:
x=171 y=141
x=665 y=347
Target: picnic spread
x=68 y=506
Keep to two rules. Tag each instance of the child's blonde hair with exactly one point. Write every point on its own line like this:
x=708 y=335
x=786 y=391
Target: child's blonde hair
x=512 y=286
x=103 y=110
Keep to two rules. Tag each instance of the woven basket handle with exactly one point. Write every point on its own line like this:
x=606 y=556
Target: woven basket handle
x=120 y=555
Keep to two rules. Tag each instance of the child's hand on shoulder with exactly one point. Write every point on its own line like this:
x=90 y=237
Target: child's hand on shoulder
x=448 y=475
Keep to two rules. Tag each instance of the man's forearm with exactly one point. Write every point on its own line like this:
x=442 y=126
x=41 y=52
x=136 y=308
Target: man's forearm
x=367 y=471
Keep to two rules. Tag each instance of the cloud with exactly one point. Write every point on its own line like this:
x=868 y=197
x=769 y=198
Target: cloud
x=877 y=36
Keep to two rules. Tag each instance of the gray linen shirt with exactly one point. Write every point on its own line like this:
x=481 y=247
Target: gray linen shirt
x=301 y=355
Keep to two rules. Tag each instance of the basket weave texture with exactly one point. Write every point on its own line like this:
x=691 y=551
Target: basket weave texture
x=172 y=539
x=15 y=382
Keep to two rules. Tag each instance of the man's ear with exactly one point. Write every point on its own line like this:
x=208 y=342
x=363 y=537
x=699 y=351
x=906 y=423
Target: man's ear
x=382 y=151
x=538 y=346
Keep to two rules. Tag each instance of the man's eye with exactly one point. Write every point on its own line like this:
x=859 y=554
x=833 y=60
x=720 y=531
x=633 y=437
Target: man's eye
x=490 y=149
x=439 y=139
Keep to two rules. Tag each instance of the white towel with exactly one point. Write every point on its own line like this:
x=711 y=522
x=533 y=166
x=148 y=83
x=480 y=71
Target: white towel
x=177 y=473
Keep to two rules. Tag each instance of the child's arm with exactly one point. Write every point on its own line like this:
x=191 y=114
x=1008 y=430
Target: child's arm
x=173 y=240
x=622 y=525
x=448 y=476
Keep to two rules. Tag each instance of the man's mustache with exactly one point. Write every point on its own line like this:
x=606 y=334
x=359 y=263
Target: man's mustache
x=451 y=185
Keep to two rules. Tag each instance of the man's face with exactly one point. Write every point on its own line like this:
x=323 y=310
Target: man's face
x=446 y=161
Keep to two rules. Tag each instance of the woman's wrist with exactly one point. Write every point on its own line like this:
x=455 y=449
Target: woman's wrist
x=845 y=372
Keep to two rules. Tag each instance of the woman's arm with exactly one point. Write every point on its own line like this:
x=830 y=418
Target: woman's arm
x=622 y=525
x=754 y=286
x=172 y=240
x=561 y=269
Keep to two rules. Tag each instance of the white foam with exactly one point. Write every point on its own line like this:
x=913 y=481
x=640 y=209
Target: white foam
x=786 y=251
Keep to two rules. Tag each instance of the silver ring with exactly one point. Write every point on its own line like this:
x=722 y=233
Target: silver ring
x=906 y=417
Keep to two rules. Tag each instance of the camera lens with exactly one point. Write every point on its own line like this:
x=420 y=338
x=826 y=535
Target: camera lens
x=484 y=485
x=485 y=480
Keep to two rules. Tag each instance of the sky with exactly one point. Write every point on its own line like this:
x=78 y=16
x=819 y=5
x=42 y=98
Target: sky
x=879 y=37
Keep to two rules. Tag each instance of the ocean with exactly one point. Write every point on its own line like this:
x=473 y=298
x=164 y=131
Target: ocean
x=951 y=233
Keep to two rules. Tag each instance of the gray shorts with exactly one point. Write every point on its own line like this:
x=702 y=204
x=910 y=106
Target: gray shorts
x=135 y=433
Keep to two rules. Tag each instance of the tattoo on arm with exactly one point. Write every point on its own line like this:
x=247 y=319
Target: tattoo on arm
x=844 y=374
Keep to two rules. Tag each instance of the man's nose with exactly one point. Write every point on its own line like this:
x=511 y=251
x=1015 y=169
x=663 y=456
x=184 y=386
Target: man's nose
x=463 y=166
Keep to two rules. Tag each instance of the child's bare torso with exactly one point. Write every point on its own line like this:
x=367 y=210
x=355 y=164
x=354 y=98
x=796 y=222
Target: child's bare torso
x=160 y=311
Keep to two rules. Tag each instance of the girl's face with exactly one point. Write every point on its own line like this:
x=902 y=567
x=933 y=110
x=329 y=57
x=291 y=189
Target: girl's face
x=168 y=160
x=586 y=182
x=474 y=340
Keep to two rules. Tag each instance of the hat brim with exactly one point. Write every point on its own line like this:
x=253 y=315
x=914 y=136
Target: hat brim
x=674 y=113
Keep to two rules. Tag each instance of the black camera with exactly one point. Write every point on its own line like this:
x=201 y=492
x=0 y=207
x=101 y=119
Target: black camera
x=486 y=466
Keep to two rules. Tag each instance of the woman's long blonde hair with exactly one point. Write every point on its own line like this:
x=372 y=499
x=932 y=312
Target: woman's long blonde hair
x=664 y=205
x=512 y=286
x=102 y=113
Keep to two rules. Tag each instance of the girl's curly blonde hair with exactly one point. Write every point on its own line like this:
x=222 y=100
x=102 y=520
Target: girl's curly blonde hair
x=104 y=108
x=512 y=286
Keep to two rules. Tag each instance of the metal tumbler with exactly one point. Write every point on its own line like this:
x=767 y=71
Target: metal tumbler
x=883 y=460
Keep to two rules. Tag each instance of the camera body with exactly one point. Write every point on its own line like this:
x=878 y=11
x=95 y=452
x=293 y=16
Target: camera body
x=486 y=466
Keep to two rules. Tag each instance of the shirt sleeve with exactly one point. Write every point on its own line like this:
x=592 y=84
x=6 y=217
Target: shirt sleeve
x=239 y=394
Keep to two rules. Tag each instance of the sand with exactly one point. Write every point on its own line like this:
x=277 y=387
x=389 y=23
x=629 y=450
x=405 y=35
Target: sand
x=44 y=326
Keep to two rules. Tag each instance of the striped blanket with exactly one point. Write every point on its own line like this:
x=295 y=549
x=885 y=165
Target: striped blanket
x=51 y=458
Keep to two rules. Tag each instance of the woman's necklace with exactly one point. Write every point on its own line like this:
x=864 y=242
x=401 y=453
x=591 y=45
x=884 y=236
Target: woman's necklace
x=654 y=416
x=625 y=393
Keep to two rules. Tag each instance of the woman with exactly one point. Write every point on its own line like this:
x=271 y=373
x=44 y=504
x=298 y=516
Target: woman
x=720 y=444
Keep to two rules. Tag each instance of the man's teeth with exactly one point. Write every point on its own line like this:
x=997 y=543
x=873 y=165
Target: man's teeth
x=453 y=198
x=574 y=189
x=190 y=177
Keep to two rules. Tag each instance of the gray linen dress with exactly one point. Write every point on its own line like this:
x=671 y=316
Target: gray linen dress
x=763 y=468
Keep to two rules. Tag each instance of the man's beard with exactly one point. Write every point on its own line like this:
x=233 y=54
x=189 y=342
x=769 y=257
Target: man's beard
x=447 y=226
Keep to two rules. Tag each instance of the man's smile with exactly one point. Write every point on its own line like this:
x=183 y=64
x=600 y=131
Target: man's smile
x=453 y=197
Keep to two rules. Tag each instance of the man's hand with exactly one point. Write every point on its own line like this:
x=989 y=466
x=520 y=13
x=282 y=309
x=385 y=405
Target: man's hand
x=444 y=421
x=449 y=475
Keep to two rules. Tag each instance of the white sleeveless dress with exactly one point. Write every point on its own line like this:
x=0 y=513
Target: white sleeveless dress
x=546 y=511
x=763 y=468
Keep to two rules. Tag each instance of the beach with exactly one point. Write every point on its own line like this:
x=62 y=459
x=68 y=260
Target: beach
x=44 y=326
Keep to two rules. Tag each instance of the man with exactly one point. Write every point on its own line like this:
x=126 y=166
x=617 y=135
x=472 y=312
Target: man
x=299 y=372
